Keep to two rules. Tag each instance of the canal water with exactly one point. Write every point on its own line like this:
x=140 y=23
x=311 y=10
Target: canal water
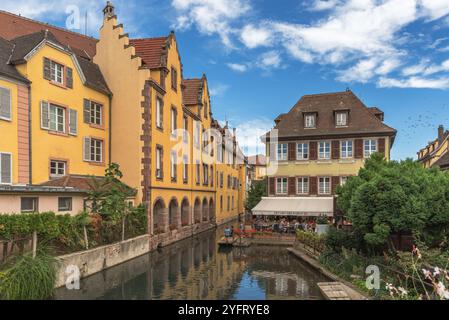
x=197 y=269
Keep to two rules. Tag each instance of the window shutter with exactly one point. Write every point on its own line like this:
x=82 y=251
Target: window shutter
x=336 y=149
x=271 y=186
x=313 y=185
x=86 y=149
x=335 y=184
x=73 y=122
x=5 y=168
x=292 y=151
x=358 y=148
x=47 y=69
x=313 y=150
x=291 y=186
x=45 y=115
x=5 y=103
x=381 y=143
x=69 y=78
x=86 y=111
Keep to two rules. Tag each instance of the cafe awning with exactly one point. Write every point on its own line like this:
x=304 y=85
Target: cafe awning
x=298 y=207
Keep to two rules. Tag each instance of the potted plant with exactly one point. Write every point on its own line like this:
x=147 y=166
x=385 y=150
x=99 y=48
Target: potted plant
x=322 y=225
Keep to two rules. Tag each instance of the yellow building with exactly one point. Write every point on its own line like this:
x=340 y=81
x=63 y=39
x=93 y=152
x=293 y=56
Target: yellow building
x=436 y=153
x=258 y=167
x=316 y=146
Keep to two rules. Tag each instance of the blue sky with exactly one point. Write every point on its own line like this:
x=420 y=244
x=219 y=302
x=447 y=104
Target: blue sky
x=262 y=56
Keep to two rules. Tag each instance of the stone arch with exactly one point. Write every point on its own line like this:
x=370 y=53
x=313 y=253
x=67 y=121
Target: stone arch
x=197 y=211
x=212 y=217
x=205 y=211
x=159 y=217
x=173 y=214
x=185 y=212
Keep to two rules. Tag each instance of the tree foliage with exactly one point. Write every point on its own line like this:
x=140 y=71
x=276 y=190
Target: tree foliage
x=257 y=190
x=397 y=197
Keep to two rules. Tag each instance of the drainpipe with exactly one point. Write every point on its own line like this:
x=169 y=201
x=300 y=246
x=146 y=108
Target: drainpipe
x=110 y=128
x=30 y=154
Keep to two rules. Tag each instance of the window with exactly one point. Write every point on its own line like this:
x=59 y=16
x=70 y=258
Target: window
x=282 y=151
x=341 y=119
x=57 y=118
x=205 y=174
x=343 y=180
x=185 y=169
x=302 y=151
x=64 y=204
x=174 y=79
x=28 y=204
x=173 y=166
x=159 y=117
x=96 y=150
x=206 y=108
x=221 y=179
x=324 y=186
x=229 y=200
x=220 y=153
x=370 y=147
x=302 y=185
x=57 y=168
x=198 y=172
x=57 y=72
x=221 y=203
x=5 y=104
x=159 y=172
x=310 y=121
x=185 y=134
x=96 y=113
x=197 y=134
x=324 y=150
x=5 y=168
x=346 y=149
x=281 y=186
x=173 y=117
x=211 y=175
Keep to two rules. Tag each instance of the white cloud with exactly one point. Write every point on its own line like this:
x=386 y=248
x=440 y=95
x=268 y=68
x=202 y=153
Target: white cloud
x=426 y=68
x=361 y=72
x=434 y=9
x=218 y=89
x=270 y=60
x=320 y=5
x=253 y=37
x=415 y=82
x=249 y=133
x=238 y=67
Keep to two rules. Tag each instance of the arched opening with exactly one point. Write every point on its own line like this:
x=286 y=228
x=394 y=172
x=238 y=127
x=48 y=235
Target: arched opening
x=185 y=213
x=197 y=211
x=173 y=214
x=211 y=210
x=205 y=212
x=159 y=225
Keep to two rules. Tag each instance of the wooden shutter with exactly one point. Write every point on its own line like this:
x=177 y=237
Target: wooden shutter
x=271 y=186
x=335 y=184
x=47 y=69
x=291 y=186
x=313 y=150
x=86 y=111
x=358 y=148
x=73 y=122
x=5 y=168
x=335 y=149
x=313 y=185
x=45 y=115
x=69 y=78
x=5 y=103
x=381 y=143
x=292 y=151
x=86 y=149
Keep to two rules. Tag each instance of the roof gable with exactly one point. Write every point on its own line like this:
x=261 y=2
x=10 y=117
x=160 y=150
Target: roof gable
x=192 y=91
x=150 y=50
x=6 y=69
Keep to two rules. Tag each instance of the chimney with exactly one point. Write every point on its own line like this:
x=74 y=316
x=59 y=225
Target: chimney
x=440 y=134
x=108 y=11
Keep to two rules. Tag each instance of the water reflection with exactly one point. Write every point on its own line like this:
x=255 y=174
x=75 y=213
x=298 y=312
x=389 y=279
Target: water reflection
x=198 y=269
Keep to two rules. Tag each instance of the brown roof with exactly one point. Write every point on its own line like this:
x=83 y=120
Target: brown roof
x=13 y=26
x=150 y=50
x=192 y=91
x=6 y=69
x=84 y=183
x=361 y=119
x=258 y=160
x=24 y=44
x=443 y=162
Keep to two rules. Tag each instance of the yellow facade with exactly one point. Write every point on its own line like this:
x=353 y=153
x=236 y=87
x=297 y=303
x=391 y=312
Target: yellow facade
x=433 y=152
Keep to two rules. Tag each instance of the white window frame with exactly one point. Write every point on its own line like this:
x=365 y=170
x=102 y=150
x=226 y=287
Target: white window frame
x=343 y=180
x=310 y=121
x=159 y=120
x=324 y=185
x=341 y=119
x=57 y=70
x=185 y=168
x=94 y=148
x=368 y=153
x=197 y=134
x=96 y=113
x=326 y=153
x=57 y=168
x=173 y=118
x=55 y=108
x=70 y=208
x=283 y=188
x=302 y=185
x=346 y=149
x=35 y=204
x=173 y=165
x=10 y=105
x=11 y=168
x=301 y=149
x=185 y=136
x=158 y=163
x=281 y=152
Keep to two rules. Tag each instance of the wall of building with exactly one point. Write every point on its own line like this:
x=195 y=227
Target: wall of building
x=11 y=203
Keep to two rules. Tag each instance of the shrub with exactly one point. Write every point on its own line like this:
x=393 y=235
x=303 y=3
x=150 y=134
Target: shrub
x=336 y=239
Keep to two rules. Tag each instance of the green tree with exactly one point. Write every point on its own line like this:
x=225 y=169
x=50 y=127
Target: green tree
x=257 y=190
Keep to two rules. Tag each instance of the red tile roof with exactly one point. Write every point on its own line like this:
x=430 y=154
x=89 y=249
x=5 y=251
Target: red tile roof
x=13 y=26
x=258 y=160
x=150 y=50
x=192 y=90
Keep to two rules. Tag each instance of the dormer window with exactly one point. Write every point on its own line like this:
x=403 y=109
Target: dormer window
x=341 y=118
x=310 y=121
